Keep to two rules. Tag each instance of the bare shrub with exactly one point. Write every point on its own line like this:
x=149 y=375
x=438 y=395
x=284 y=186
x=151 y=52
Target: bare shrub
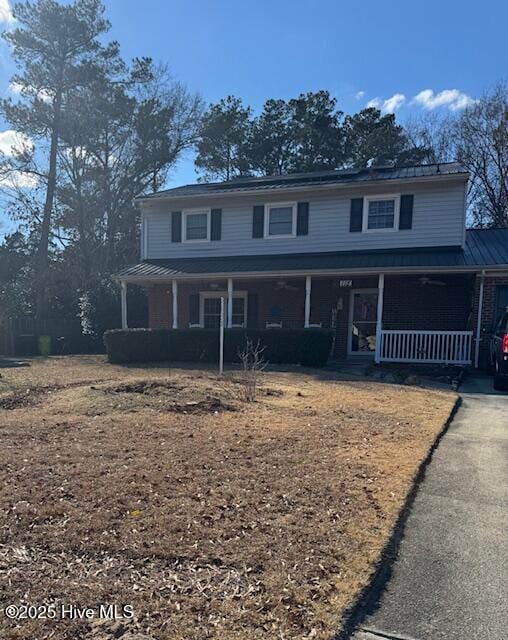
x=254 y=364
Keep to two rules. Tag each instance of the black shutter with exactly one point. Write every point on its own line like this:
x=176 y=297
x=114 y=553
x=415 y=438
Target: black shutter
x=176 y=226
x=258 y=221
x=216 y=224
x=194 y=308
x=252 y=311
x=356 y=218
x=406 y=212
x=302 y=219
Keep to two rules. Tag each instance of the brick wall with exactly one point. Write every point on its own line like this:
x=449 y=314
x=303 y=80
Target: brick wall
x=488 y=311
x=408 y=304
x=159 y=304
x=276 y=303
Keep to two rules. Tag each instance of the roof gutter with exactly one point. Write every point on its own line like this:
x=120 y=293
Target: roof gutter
x=305 y=272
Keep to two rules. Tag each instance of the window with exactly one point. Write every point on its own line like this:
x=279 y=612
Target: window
x=501 y=301
x=210 y=309
x=280 y=220
x=381 y=213
x=211 y=313
x=196 y=226
x=238 y=312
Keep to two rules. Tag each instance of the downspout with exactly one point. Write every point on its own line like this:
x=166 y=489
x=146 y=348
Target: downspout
x=478 y=322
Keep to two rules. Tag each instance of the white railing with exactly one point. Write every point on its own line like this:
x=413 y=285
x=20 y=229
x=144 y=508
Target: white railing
x=443 y=347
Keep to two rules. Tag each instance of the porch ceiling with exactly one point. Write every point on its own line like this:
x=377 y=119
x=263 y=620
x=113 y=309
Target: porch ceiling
x=485 y=248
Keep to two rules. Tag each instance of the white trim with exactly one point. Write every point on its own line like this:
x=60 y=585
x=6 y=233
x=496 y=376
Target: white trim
x=308 y=288
x=174 y=294
x=479 y=323
x=144 y=236
x=279 y=205
x=123 y=301
x=396 y=213
x=465 y=217
x=190 y=212
x=222 y=294
x=408 y=345
x=379 y=314
x=230 y=303
x=350 y=323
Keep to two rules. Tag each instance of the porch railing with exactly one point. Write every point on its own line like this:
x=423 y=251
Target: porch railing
x=439 y=347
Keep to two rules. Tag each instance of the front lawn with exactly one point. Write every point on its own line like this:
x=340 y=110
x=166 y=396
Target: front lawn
x=212 y=517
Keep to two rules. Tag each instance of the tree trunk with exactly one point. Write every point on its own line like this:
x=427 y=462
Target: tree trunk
x=42 y=258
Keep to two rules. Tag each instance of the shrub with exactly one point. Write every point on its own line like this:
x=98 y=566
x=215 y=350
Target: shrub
x=308 y=347
x=136 y=345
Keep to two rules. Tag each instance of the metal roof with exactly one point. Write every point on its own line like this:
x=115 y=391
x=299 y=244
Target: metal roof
x=313 y=179
x=485 y=248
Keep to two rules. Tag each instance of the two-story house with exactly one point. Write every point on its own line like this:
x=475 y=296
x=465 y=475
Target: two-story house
x=381 y=255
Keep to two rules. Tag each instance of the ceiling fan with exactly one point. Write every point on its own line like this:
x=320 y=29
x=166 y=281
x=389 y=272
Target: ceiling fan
x=426 y=280
x=282 y=284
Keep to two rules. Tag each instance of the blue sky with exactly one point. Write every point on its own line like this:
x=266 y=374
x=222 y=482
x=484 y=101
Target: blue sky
x=386 y=52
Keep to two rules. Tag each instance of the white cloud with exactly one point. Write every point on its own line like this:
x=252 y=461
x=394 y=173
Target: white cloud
x=390 y=105
x=18 y=180
x=5 y=12
x=12 y=141
x=359 y=95
x=375 y=103
x=42 y=94
x=15 y=87
x=451 y=98
x=395 y=102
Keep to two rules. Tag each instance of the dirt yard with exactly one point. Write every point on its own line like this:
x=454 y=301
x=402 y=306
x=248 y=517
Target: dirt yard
x=211 y=517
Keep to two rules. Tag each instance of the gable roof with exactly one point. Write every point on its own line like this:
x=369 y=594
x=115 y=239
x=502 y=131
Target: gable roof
x=312 y=179
x=485 y=248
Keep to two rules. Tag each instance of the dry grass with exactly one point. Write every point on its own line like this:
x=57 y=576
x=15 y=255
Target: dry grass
x=212 y=517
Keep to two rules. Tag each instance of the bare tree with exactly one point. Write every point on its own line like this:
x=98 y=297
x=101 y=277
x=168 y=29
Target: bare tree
x=254 y=364
x=434 y=133
x=481 y=137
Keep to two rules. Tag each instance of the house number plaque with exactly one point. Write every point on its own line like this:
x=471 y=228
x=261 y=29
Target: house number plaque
x=345 y=283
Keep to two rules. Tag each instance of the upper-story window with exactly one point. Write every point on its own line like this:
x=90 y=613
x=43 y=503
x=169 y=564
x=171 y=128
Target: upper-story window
x=196 y=225
x=381 y=213
x=280 y=220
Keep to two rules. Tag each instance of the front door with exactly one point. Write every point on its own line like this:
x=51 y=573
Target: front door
x=362 y=322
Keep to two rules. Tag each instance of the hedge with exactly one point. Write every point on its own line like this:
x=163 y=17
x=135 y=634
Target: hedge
x=308 y=347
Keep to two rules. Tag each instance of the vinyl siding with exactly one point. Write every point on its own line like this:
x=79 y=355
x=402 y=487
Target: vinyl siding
x=438 y=220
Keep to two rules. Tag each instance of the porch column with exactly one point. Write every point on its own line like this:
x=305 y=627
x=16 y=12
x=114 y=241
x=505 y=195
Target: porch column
x=308 y=286
x=230 y=303
x=123 y=299
x=479 y=323
x=174 y=299
x=379 y=317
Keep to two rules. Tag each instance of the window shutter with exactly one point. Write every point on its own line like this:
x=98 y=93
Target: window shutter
x=302 y=219
x=252 y=311
x=406 y=212
x=216 y=224
x=194 y=308
x=356 y=217
x=176 y=226
x=258 y=221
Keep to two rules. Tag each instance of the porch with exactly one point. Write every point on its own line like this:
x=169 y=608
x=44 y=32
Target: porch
x=416 y=318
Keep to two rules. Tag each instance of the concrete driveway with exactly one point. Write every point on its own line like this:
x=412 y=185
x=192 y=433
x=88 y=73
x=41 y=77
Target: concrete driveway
x=450 y=578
